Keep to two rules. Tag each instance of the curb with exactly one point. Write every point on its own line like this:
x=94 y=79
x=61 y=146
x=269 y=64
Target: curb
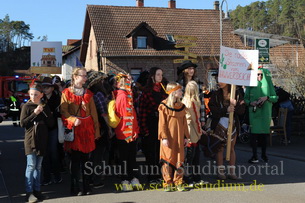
x=275 y=154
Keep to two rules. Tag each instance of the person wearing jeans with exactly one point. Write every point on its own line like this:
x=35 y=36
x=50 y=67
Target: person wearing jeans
x=33 y=172
x=36 y=118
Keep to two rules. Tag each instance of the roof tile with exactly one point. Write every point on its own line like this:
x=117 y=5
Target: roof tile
x=112 y=23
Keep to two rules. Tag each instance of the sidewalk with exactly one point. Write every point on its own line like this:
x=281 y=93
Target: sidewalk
x=295 y=150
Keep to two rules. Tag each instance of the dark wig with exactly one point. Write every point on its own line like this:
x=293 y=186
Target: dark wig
x=150 y=81
x=182 y=78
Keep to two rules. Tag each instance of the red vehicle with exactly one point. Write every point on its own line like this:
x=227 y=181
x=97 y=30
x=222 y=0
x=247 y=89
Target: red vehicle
x=10 y=84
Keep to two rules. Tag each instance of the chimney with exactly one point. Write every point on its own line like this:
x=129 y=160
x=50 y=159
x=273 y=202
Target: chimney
x=172 y=4
x=216 y=5
x=140 y=3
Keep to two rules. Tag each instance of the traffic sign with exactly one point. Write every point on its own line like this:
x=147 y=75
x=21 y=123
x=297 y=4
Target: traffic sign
x=182 y=60
x=186 y=44
x=263 y=46
x=185 y=53
x=185 y=37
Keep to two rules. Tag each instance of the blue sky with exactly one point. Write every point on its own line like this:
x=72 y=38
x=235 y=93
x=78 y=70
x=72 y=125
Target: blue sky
x=64 y=19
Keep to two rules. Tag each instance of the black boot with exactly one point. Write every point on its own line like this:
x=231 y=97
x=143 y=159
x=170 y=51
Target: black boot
x=39 y=195
x=265 y=158
x=75 y=187
x=86 y=187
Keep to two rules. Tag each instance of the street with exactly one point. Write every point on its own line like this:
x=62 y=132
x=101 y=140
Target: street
x=281 y=180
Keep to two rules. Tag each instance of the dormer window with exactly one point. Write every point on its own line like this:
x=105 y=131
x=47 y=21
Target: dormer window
x=142 y=37
x=170 y=38
x=141 y=42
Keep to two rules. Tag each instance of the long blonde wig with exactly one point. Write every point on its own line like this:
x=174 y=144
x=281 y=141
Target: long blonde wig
x=75 y=73
x=171 y=99
x=191 y=94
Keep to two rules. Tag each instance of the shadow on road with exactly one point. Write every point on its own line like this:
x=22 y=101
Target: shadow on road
x=279 y=170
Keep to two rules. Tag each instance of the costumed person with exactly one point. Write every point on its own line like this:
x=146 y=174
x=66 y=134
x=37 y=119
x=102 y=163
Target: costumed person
x=100 y=156
x=148 y=118
x=51 y=161
x=205 y=96
x=187 y=72
x=142 y=80
x=259 y=100
x=14 y=109
x=59 y=84
x=79 y=113
x=221 y=105
x=174 y=136
x=36 y=118
x=192 y=153
x=110 y=85
x=138 y=87
x=126 y=132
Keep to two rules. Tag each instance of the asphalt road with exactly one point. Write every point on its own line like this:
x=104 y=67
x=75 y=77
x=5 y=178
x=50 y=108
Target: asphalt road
x=282 y=180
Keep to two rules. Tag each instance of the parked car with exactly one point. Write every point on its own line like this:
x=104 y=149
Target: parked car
x=3 y=106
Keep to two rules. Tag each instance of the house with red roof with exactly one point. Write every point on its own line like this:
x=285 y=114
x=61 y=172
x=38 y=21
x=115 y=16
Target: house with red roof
x=134 y=39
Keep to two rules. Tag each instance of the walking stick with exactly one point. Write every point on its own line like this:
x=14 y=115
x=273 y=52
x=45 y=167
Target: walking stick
x=230 y=127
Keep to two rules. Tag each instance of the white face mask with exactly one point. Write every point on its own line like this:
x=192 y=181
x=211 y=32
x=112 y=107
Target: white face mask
x=259 y=76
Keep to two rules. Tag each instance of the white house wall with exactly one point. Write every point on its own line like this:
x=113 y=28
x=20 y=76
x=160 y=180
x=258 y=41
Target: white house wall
x=69 y=64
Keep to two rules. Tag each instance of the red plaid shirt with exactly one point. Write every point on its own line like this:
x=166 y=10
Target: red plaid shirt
x=147 y=106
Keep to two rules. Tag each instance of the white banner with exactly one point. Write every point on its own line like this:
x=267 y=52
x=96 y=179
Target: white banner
x=238 y=67
x=46 y=54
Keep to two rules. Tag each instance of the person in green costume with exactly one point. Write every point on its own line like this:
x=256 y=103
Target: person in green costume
x=259 y=100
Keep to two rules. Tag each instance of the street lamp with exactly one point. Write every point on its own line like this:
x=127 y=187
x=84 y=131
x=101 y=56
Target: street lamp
x=233 y=87
x=220 y=18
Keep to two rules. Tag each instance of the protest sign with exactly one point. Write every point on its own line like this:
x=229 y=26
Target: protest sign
x=238 y=67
